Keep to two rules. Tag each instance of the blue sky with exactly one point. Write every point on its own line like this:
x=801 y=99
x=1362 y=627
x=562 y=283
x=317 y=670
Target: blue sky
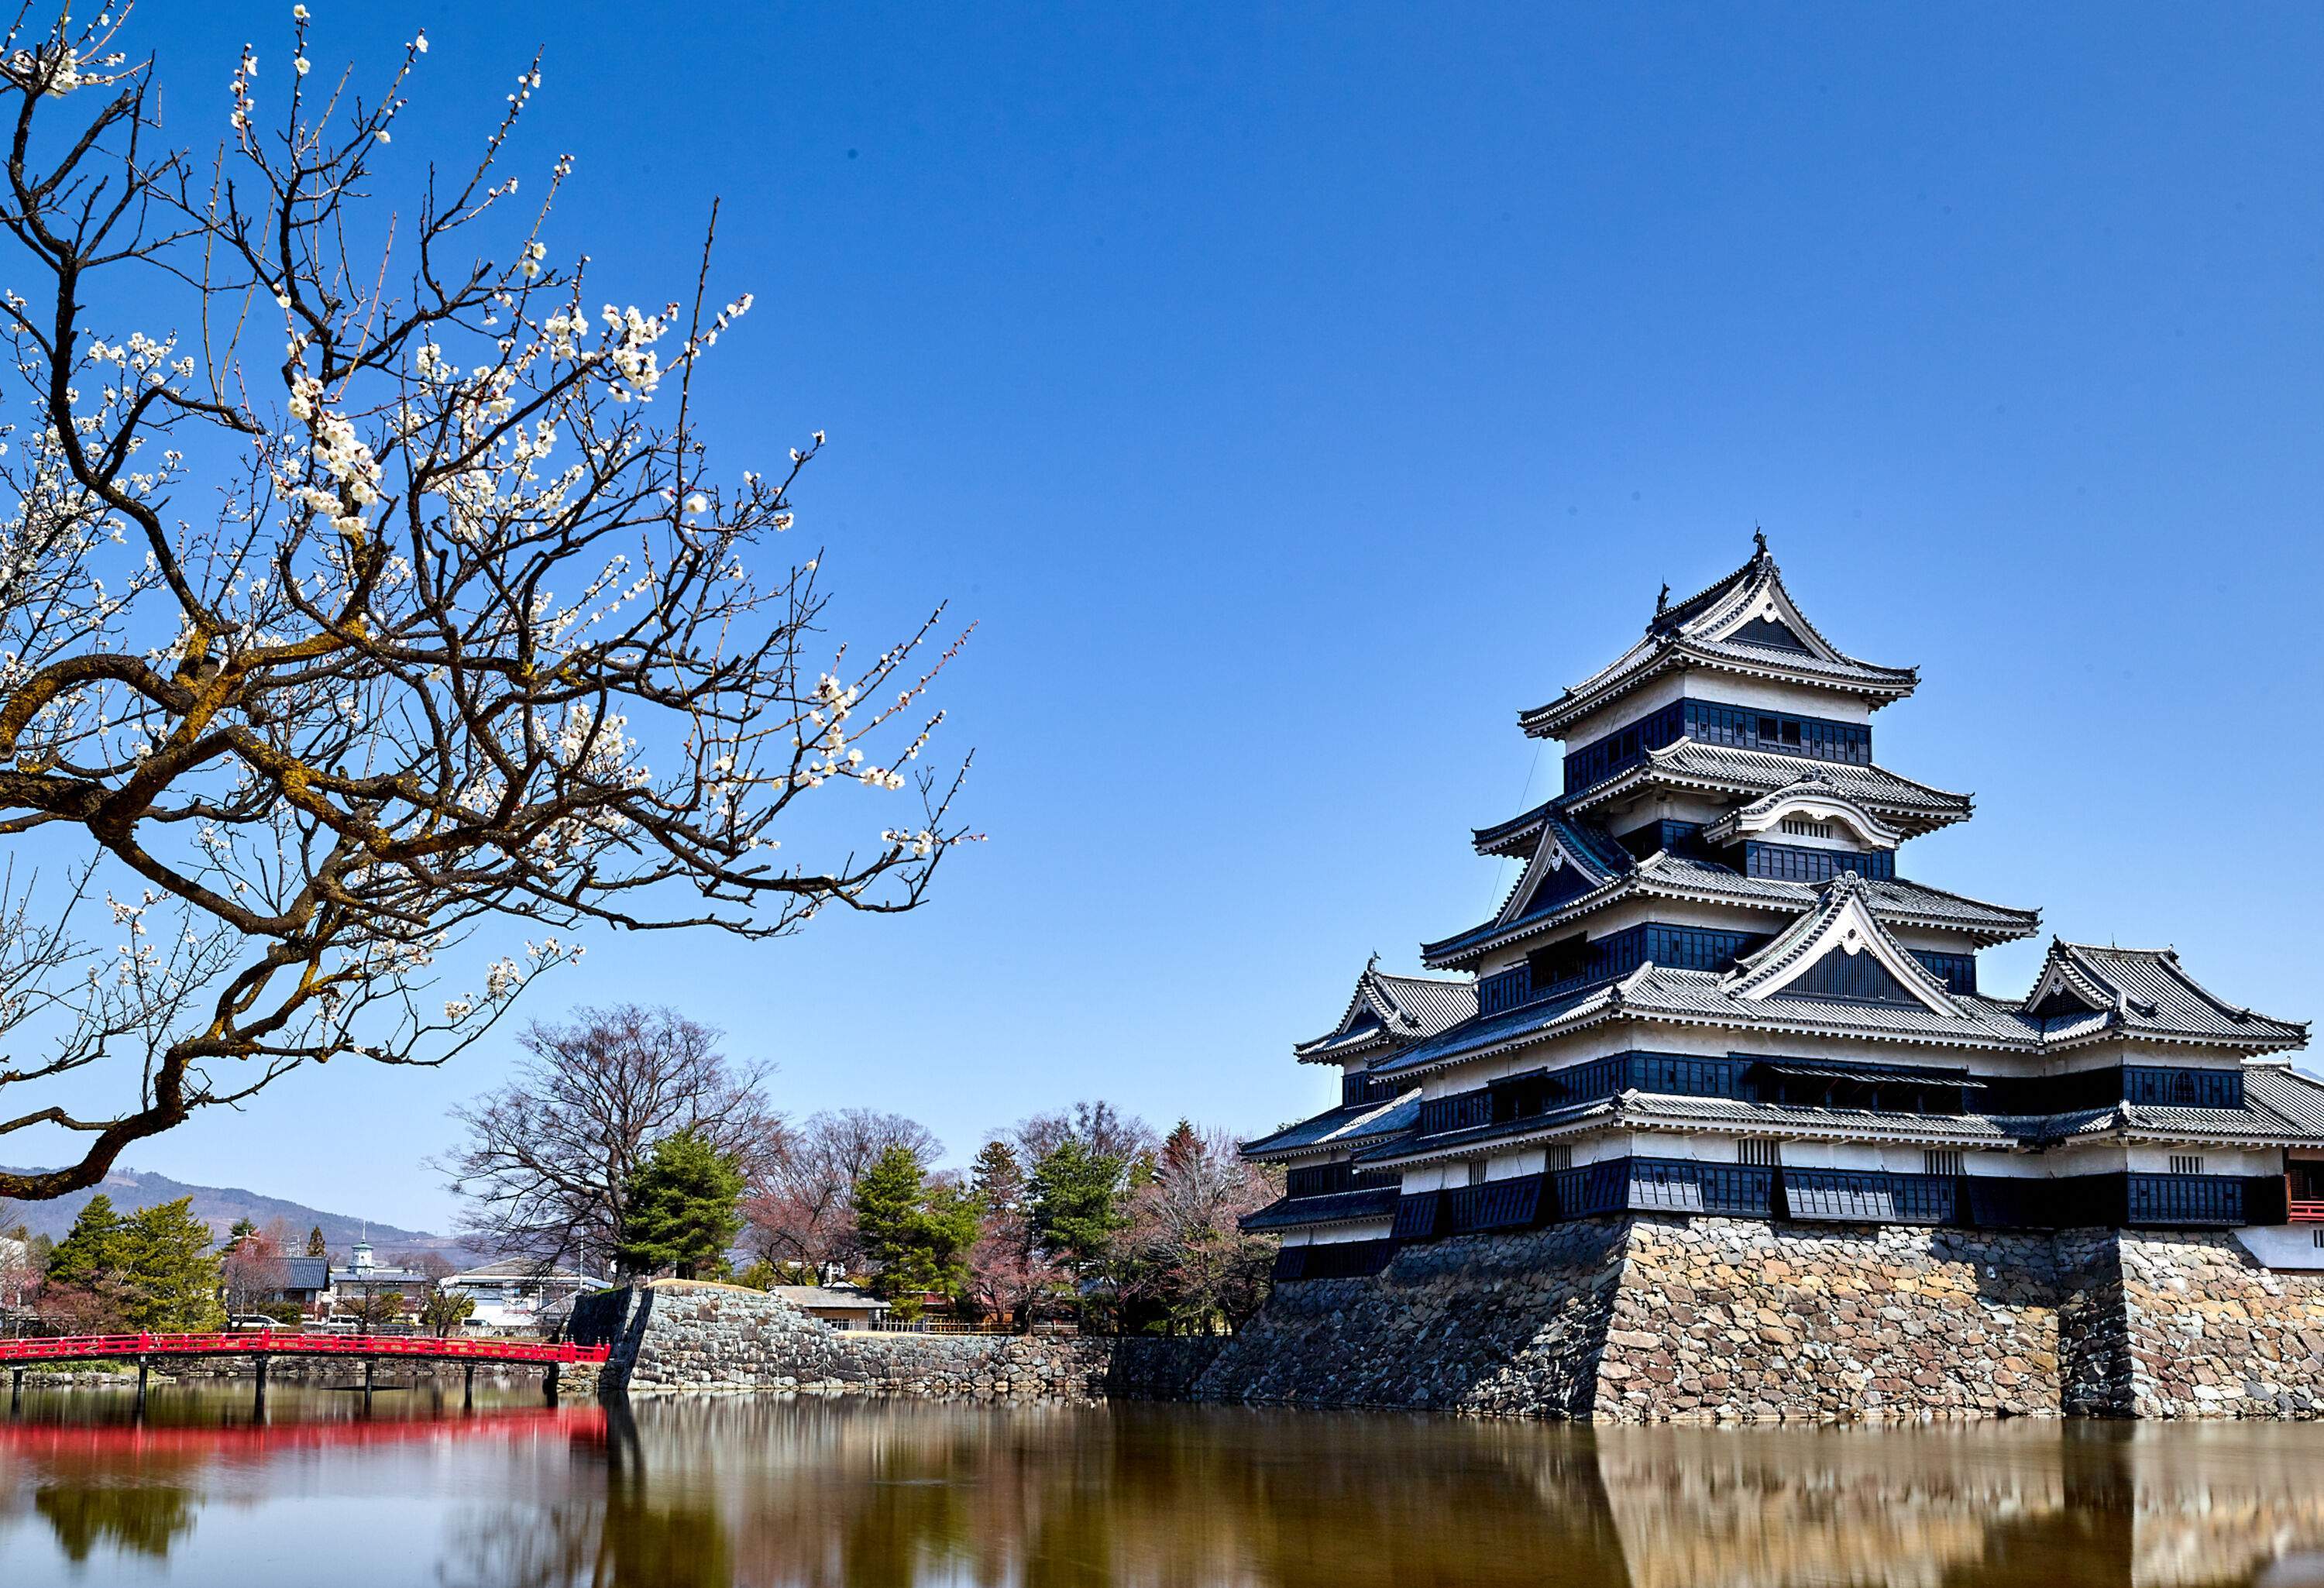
x=1294 y=394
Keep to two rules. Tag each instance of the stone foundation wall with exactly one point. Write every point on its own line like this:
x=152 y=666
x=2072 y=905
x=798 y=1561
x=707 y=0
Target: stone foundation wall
x=1734 y=1319
x=676 y=1335
x=1648 y=1318
x=1499 y=1324
x=1636 y=1319
x=2209 y=1332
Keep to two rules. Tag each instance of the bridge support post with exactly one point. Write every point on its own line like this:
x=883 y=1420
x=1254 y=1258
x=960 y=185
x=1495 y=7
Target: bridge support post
x=468 y=1386
x=15 y=1390
x=371 y=1364
x=143 y=1365
x=548 y=1384
x=258 y=1407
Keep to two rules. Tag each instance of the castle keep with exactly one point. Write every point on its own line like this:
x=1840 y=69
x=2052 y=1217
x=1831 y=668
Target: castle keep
x=1717 y=1006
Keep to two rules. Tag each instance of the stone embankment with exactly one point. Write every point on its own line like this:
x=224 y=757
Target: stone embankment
x=1663 y=1320
x=1639 y=1319
x=676 y=1335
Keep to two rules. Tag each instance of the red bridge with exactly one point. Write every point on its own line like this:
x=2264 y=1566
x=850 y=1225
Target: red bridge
x=268 y=1342
x=262 y=1345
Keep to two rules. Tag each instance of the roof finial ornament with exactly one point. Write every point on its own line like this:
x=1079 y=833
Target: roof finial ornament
x=1662 y=602
x=1759 y=539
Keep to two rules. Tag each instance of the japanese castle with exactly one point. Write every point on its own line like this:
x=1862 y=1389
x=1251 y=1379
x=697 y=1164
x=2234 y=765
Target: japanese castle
x=1713 y=989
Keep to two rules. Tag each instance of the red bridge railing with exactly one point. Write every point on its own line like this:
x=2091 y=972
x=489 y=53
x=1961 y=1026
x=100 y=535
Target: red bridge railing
x=271 y=1342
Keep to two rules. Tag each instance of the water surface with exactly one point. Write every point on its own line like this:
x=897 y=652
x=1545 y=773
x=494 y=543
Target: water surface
x=700 y=1492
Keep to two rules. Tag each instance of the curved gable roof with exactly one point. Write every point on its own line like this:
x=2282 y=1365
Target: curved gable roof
x=1746 y=622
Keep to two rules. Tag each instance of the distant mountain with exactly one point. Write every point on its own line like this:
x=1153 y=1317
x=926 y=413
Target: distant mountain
x=220 y=1206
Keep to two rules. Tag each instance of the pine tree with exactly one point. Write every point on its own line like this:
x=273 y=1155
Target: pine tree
x=886 y=1195
x=172 y=1273
x=681 y=1210
x=93 y=1253
x=315 y=1246
x=1077 y=1200
x=243 y=1231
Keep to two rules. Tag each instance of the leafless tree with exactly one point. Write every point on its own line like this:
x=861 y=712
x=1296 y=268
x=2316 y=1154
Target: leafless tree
x=803 y=1211
x=549 y=1156
x=368 y=603
x=255 y=1269
x=1189 y=1257
x=1105 y=1131
x=430 y=1262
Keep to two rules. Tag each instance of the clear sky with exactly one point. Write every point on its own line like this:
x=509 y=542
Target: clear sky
x=1293 y=394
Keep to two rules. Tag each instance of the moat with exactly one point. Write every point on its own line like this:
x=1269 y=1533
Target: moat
x=769 y=1491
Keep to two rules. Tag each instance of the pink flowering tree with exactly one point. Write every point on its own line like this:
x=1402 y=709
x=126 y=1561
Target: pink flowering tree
x=373 y=619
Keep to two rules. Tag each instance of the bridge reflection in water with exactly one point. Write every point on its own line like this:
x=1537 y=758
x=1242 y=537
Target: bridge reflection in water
x=764 y=1491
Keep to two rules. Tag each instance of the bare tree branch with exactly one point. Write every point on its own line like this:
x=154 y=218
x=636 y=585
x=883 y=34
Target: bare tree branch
x=399 y=605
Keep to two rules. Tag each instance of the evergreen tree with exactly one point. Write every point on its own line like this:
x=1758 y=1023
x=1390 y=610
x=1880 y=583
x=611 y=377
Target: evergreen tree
x=680 y=1207
x=886 y=1195
x=940 y=1237
x=243 y=1231
x=153 y=1270
x=315 y=1246
x=917 y=1235
x=172 y=1273
x=93 y=1253
x=1077 y=1200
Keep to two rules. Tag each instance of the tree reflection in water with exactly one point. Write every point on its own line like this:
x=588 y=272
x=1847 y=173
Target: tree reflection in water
x=769 y=1493
x=145 y=1519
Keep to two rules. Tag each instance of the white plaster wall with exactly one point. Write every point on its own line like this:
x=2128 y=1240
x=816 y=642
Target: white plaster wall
x=1797 y=700
x=1340 y=1234
x=1625 y=710
x=1603 y=1145
x=1694 y=1149
x=1431 y=1177
x=1934 y=939
x=1510 y=1166
x=2157 y=1160
x=2285 y=1246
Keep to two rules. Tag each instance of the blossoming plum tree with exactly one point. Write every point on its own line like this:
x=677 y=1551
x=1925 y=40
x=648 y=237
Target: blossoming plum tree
x=384 y=600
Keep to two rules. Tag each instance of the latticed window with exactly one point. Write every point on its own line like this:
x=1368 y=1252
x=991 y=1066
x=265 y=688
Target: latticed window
x=1766 y=1155
x=1561 y=1159
x=1799 y=827
x=2186 y=1165
x=1942 y=1160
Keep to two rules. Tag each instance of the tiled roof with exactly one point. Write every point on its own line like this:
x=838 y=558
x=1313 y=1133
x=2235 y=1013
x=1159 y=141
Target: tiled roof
x=2146 y=992
x=823 y=1295
x=1896 y=903
x=1387 y=1010
x=2280 y=1107
x=1293 y=1211
x=1700 y=997
x=2287 y=1094
x=1728 y=769
x=1702 y=631
x=1342 y=1127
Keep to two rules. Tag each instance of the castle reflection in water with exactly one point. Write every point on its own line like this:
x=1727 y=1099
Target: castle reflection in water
x=765 y=1491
